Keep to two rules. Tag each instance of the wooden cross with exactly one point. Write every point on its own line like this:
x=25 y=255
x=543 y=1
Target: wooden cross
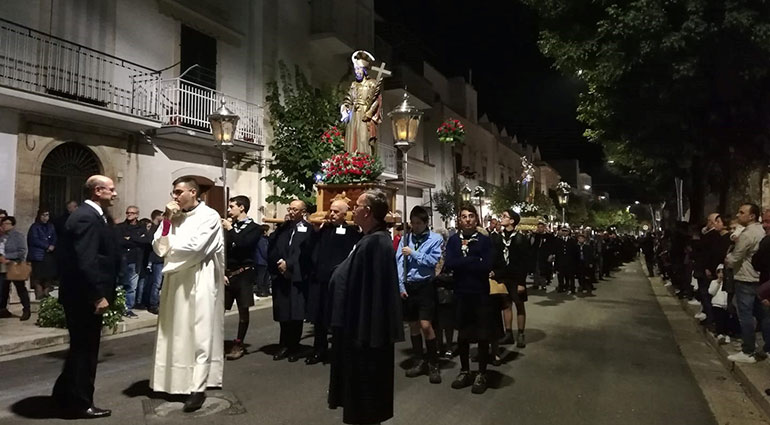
x=382 y=71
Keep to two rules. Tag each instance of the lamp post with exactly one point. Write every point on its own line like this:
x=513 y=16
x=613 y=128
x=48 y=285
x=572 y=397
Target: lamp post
x=479 y=193
x=223 y=124
x=405 y=121
x=562 y=192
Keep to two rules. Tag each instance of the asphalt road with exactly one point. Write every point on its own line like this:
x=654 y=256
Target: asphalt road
x=608 y=359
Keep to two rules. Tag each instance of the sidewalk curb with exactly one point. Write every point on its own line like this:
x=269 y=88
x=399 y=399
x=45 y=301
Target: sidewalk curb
x=61 y=337
x=749 y=376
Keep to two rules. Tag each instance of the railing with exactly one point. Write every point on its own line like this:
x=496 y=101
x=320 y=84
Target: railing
x=37 y=62
x=187 y=104
x=389 y=157
x=421 y=171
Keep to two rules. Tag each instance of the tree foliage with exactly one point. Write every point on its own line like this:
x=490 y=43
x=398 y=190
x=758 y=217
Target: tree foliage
x=444 y=202
x=671 y=87
x=299 y=115
x=505 y=197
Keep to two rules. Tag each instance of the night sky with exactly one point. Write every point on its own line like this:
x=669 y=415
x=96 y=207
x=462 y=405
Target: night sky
x=517 y=86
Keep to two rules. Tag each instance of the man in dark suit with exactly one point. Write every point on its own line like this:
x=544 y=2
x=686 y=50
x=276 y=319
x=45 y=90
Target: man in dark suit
x=567 y=258
x=89 y=268
x=585 y=265
x=289 y=265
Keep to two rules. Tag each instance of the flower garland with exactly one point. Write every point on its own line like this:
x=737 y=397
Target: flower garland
x=346 y=168
x=451 y=131
x=525 y=208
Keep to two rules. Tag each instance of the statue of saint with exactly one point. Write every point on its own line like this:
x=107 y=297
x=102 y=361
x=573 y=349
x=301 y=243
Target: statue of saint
x=360 y=110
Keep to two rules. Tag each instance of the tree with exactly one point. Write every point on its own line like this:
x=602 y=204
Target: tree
x=505 y=196
x=672 y=88
x=444 y=202
x=299 y=114
x=544 y=204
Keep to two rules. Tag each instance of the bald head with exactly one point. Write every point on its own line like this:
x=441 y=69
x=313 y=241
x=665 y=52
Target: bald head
x=100 y=189
x=338 y=211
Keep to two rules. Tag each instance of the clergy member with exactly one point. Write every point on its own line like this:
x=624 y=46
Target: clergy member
x=331 y=245
x=366 y=319
x=288 y=263
x=190 y=342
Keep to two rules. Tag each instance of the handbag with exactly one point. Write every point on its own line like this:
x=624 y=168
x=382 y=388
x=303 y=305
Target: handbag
x=497 y=288
x=18 y=271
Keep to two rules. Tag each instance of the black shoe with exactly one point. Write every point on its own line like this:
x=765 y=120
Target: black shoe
x=4 y=314
x=153 y=310
x=140 y=307
x=92 y=412
x=480 y=384
x=25 y=315
x=294 y=356
x=194 y=402
x=421 y=368
x=434 y=373
x=497 y=361
x=281 y=354
x=448 y=354
x=315 y=358
x=463 y=380
x=521 y=340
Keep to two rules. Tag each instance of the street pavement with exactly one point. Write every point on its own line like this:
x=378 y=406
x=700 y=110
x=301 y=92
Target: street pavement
x=607 y=359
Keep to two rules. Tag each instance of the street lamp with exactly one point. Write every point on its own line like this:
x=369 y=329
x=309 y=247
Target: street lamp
x=223 y=124
x=466 y=193
x=405 y=121
x=562 y=192
x=479 y=193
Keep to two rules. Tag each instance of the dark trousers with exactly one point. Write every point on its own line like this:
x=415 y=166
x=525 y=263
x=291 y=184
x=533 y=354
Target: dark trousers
x=722 y=321
x=291 y=333
x=566 y=280
x=705 y=299
x=649 y=259
x=320 y=338
x=75 y=386
x=262 y=285
x=5 y=292
x=585 y=277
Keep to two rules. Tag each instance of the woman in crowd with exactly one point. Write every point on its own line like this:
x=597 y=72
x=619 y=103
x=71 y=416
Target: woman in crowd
x=41 y=240
x=468 y=255
x=14 y=250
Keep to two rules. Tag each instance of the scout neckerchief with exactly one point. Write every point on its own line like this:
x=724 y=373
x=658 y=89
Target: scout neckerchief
x=420 y=239
x=507 y=238
x=240 y=225
x=472 y=238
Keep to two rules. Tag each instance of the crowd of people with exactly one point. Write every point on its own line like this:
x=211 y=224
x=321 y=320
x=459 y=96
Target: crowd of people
x=358 y=285
x=722 y=266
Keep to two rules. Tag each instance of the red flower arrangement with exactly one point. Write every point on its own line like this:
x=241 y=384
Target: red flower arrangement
x=351 y=168
x=332 y=136
x=451 y=131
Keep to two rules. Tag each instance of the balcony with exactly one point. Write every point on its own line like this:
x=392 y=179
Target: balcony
x=184 y=108
x=47 y=75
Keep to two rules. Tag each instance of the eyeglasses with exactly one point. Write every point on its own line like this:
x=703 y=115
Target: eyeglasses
x=178 y=192
x=292 y=209
x=132 y=212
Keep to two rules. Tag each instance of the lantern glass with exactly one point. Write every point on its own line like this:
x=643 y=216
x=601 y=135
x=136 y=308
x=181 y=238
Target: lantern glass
x=400 y=127
x=223 y=125
x=563 y=198
x=466 y=192
x=405 y=121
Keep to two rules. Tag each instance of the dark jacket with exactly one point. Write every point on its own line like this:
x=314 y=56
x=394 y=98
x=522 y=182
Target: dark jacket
x=15 y=246
x=88 y=258
x=134 y=240
x=567 y=255
x=515 y=270
x=39 y=238
x=241 y=242
x=761 y=260
x=586 y=254
x=471 y=271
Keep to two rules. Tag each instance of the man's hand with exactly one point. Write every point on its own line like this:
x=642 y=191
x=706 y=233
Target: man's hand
x=172 y=209
x=406 y=251
x=404 y=295
x=491 y=275
x=227 y=224
x=101 y=305
x=766 y=303
x=227 y=281
x=282 y=267
x=51 y=248
x=521 y=288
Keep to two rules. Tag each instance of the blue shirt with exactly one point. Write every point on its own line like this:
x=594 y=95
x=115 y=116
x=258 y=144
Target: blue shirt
x=422 y=262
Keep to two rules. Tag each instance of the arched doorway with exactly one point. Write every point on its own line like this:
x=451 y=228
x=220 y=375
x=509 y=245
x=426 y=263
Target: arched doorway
x=64 y=173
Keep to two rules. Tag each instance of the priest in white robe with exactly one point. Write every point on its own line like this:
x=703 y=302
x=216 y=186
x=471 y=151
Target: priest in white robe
x=189 y=350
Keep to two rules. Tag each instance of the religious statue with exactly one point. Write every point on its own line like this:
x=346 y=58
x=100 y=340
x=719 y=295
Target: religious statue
x=360 y=110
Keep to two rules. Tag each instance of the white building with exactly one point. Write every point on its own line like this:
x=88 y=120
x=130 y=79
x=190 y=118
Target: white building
x=124 y=88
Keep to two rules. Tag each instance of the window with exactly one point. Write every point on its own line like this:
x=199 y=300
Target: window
x=201 y=50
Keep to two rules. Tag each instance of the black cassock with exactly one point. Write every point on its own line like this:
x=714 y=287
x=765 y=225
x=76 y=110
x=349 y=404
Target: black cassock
x=366 y=322
x=290 y=243
x=331 y=245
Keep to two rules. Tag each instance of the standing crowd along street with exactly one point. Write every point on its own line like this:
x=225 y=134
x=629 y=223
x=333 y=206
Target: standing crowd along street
x=357 y=283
